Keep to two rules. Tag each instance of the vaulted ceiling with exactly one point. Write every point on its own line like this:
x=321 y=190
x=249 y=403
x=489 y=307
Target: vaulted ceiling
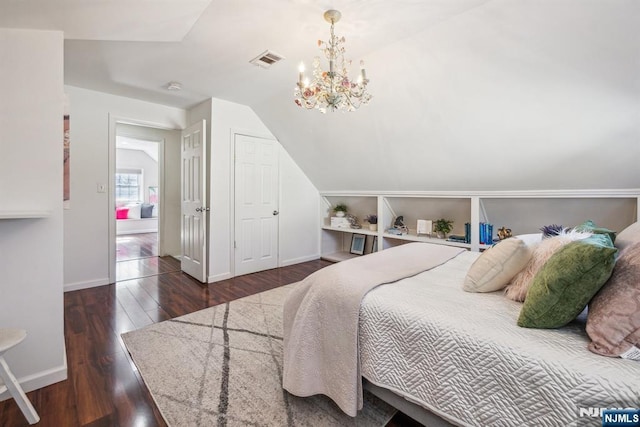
x=468 y=94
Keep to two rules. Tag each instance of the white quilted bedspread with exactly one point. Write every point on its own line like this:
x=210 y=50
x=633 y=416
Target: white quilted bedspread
x=462 y=356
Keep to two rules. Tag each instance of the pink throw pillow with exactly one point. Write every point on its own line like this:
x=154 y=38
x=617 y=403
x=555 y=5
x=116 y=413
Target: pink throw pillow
x=122 y=213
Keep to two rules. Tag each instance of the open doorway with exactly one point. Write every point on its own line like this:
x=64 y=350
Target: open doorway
x=136 y=189
x=145 y=190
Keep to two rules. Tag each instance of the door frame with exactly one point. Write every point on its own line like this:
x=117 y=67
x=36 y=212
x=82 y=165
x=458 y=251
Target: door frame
x=114 y=120
x=232 y=190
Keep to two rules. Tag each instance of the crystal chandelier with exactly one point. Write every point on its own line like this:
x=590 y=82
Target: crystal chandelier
x=333 y=89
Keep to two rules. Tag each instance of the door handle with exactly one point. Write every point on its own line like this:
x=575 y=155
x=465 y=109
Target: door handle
x=203 y=209
x=198 y=209
x=275 y=212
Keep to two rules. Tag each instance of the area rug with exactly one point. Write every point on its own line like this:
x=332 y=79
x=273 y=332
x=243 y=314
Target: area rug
x=223 y=366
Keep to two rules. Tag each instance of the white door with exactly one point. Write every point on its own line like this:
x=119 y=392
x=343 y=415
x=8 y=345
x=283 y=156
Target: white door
x=194 y=202
x=256 y=204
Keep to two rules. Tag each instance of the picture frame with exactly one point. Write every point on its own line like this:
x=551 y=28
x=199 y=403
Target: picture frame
x=374 y=246
x=357 y=243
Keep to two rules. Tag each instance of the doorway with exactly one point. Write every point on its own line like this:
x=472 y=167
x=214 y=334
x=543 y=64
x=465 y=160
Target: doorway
x=144 y=228
x=136 y=193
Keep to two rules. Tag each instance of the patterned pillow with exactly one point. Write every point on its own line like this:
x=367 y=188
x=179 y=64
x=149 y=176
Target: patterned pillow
x=517 y=289
x=566 y=283
x=613 y=322
x=497 y=266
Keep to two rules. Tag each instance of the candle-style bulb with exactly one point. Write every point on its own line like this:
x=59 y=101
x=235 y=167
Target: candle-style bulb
x=301 y=67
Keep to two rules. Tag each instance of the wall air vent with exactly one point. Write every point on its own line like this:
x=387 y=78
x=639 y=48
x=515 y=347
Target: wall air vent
x=266 y=59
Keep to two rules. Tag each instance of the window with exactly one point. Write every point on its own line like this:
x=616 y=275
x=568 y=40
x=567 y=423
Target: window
x=128 y=185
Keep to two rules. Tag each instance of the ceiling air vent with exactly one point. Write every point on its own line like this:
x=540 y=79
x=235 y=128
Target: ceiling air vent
x=266 y=59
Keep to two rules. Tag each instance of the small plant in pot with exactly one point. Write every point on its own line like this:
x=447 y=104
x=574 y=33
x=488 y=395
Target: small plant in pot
x=442 y=227
x=373 y=222
x=340 y=209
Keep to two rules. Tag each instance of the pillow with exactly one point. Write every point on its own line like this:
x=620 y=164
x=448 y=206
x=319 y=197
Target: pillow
x=146 y=210
x=155 y=211
x=517 y=289
x=530 y=239
x=628 y=236
x=566 y=283
x=613 y=322
x=134 y=211
x=590 y=227
x=122 y=213
x=497 y=266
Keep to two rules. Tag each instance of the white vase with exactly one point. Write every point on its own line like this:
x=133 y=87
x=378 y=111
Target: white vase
x=373 y=227
x=340 y=214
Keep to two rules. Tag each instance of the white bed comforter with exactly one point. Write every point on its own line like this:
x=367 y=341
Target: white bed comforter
x=462 y=356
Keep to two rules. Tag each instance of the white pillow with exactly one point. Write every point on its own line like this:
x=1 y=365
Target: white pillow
x=154 y=212
x=497 y=265
x=134 y=211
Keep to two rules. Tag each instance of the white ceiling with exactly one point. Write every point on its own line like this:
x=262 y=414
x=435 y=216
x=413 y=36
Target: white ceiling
x=468 y=94
x=128 y=143
x=135 y=47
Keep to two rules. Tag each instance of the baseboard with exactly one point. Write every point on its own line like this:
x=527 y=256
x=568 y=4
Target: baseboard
x=41 y=379
x=293 y=261
x=84 y=285
x=219 y=277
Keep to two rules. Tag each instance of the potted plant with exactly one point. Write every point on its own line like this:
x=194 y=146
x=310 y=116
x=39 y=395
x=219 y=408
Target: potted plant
x=442 y=227
x=373 y=221
x=340 y=209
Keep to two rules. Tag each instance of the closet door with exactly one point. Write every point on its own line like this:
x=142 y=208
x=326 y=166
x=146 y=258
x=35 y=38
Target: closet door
x=256 y=204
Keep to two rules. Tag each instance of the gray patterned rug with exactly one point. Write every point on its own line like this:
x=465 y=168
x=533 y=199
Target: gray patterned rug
x=223 y=366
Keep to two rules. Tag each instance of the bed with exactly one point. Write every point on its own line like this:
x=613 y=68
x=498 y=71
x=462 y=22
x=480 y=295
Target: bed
x=430 y=348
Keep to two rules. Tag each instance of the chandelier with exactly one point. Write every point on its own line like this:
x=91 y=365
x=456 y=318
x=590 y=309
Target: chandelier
x=333 y=89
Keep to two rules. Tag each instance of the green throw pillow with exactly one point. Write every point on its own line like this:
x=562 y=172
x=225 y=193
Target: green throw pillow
x=567 y=282
x=590 y=227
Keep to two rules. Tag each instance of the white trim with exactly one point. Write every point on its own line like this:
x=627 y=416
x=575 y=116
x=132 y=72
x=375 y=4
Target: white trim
x=41 y=379
x=606 y=193
x=85 y=285
x=299 y=260
x=219 y=277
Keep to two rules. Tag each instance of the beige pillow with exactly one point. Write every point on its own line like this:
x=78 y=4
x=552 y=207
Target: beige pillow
x=613 y=322
x=519 y=286
x=628 y=236
x=497 y=266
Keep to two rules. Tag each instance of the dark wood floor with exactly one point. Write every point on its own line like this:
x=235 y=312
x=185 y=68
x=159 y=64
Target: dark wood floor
x=104 y=387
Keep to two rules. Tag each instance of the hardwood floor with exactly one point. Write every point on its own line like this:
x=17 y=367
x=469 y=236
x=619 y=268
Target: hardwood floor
x=104 y=387
x=135 y=246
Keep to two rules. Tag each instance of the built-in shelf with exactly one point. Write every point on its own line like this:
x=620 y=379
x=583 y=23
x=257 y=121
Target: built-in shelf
x=339 y=256
x=521 y=211
x=351 y=230
x=26 y=214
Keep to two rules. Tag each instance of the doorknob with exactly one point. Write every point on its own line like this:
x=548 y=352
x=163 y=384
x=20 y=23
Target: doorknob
x=276 y=212
x=198 y=209
x=203 y=209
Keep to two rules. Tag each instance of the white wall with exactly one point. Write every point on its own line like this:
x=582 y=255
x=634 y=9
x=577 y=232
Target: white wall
x=298 y=197
x=86 y=224
x=510 y=95
x=31 y=110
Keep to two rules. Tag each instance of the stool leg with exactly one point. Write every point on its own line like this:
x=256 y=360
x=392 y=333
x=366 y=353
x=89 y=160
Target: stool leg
x=18 y=394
